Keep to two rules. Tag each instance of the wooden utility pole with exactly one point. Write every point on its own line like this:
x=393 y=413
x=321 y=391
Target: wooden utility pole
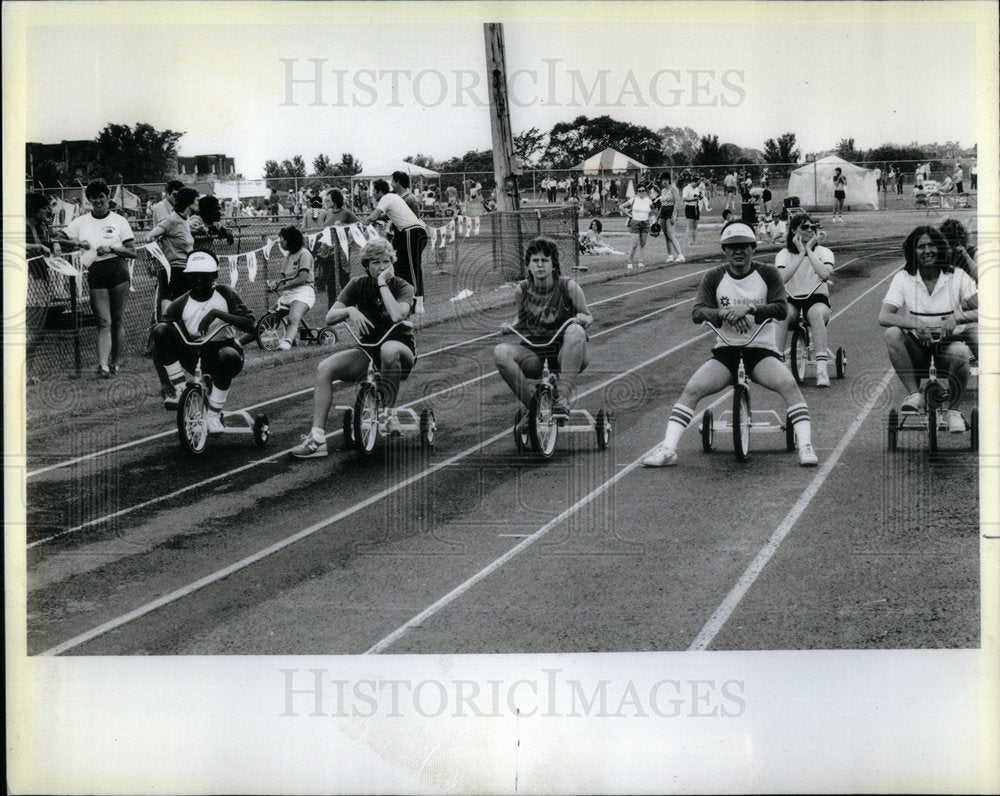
x=503 y=142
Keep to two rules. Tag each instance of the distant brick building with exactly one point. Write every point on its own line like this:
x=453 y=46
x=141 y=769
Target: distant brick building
x=205 y=167
x=76 y=157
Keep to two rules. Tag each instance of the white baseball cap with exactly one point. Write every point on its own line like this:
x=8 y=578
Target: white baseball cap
x=201 y=263
x=738 y=232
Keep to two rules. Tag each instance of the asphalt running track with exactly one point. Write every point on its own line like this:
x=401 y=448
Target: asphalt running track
x=133 y=548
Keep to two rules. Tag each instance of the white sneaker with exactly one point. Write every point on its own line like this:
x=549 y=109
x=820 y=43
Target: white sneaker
x=807 y=456
x=956 y=423
x=679 y=259
x=310 y=448
x=285 y=345
x=660 y=457
x=670 y=258
x=628 y=267
x=641 y=265
x=822 y=376
x=214 y=422
x=171 y=401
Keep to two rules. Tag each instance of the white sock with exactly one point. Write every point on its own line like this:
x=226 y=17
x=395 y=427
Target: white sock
x=680 y=419
x=798 y=416
x=318 y=434
x=217 y=399
x=175 y=373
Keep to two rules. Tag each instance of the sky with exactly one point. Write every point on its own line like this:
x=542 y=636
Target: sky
x=396 y=80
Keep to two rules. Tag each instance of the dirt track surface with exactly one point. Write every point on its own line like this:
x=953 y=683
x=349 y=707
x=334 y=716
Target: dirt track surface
x=135 y=548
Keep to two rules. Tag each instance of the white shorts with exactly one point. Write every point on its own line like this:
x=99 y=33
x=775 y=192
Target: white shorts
x=304 y=293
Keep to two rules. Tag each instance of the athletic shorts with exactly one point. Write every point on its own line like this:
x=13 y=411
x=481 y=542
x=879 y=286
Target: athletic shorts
x=839 y=195
x=638 y=226
x=730 y=189
x=173 y=288
x=803 y=305
x=692 y=212
x=106 y=274
x=209 y=353
x=304 y=293
x=752 y=357
x=666 y=212
x=551 y=352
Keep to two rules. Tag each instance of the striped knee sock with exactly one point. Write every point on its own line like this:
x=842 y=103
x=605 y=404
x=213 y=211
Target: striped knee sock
x=217 y=399
x=176 y=374
x=680 y=419
x=798 y=416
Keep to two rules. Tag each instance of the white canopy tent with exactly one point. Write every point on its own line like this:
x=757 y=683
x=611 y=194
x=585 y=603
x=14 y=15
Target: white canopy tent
x=386 y=168
x=813 y=184
x=609 y=160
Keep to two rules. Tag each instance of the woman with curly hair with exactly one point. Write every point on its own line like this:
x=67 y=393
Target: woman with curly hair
x=929 y=310
x=961 y=253
x=544 y=301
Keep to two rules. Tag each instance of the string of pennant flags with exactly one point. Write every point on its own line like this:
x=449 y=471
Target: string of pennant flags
x=439 y=236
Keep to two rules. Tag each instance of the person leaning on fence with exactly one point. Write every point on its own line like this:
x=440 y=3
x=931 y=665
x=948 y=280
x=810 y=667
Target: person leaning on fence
x=205 y=227
x=162 y=208
x=203 y=311
x=173 y=235
x=738 y=297
x=338 y=271
x=930 y=309
x=108 y=241
x=545 y=301
x=374 y=301
x=409 y=238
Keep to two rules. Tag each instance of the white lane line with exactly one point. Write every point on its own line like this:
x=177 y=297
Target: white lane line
x=458 y=591
x=484 y=573
x=738 y=592
x=287 y=451
x=162 y=434
x=252 y=559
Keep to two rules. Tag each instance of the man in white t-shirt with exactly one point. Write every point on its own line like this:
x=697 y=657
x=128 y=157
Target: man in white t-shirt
x=409 y=238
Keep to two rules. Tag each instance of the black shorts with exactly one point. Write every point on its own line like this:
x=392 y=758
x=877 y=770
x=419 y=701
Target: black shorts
x=406 y=369
x=692 y=212
x=209 y=353
x=803 y=305
x=551 y=352
x=839 y=195
x=106 y=274
x=666 y=212
x=730 y=189
x=752 y=357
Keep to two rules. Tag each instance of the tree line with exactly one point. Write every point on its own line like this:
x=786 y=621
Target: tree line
x=145 y=154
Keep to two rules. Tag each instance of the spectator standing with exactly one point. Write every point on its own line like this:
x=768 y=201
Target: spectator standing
x=639 y=209
x=339 y=275
x=691 y=198
x=401 y=187
x=408 y=240
x=839 y=194
x=162 y=208
x=107 y=240
x=974 y=176
x=958 y=177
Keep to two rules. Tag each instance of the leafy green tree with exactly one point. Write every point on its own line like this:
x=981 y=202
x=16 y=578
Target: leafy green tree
x=288 y=175
x=528 y=145
x=140 y=154
x=572 y=142
x=781 y=152
x=710 y=152
x=323 y=166
x=845 y=149
x=679 y=145
x=348 y=165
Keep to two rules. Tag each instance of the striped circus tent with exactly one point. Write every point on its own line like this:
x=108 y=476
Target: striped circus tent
x=608 y=160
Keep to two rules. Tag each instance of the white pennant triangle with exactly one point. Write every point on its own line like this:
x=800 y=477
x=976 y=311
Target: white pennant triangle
x=131 y=271
x=252 y=266
x=475 y=225
x=432 y=235
x=234 y=271
x=451 y=231
x=342 y=237
x=358 y=236
x=371 y=232
x=443 y=232
x=326 y=237
x=268 y=247
x=460 y=220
